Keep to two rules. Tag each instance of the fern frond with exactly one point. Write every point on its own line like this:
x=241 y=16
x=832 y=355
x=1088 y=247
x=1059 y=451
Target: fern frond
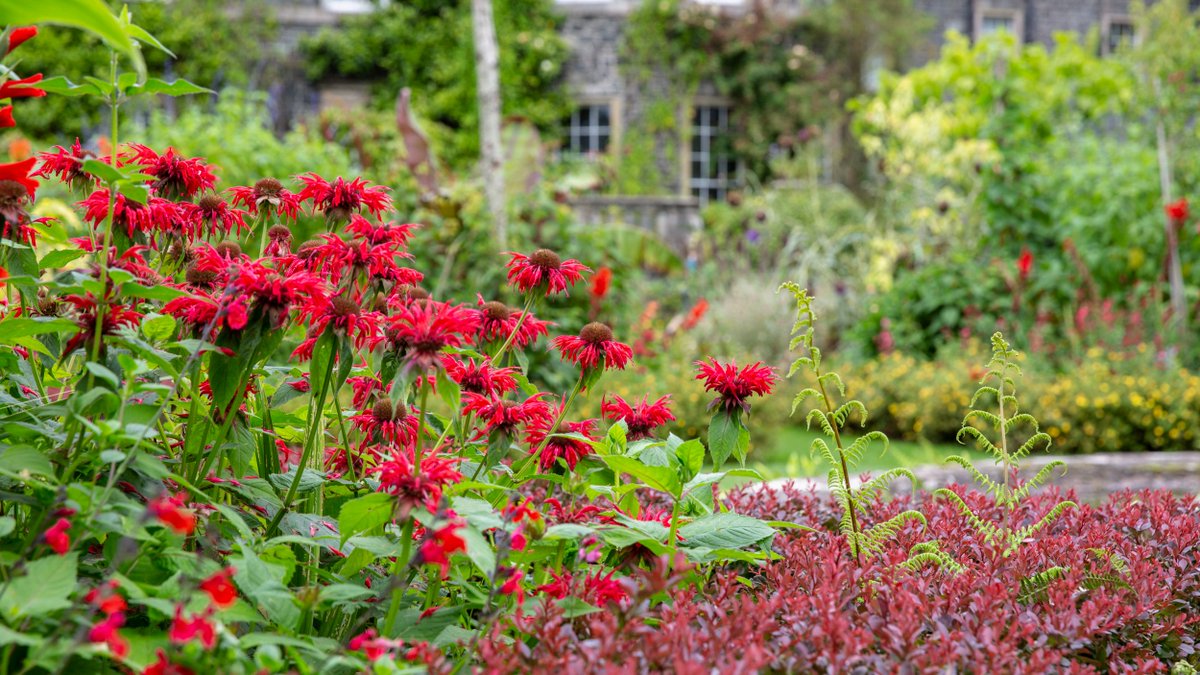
x=842 y=414
x=980 y=392
x=1117 y=562
x=1027 y=532
x=875 y=538
x=1021 y=418
x=854 y=452
x=1028 y=446
x=824 y=421
x=1034 y=587
x=803 y=396
x=929 y=553
x=988 y=531
x=1093 y=581
x=978 y=476
x=873 y=488
x=836 y=380
x=821 y=447
x=1038 y=480
x=982 y=440
x=993 y=420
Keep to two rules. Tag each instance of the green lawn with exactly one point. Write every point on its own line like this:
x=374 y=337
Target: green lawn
x=789 y=456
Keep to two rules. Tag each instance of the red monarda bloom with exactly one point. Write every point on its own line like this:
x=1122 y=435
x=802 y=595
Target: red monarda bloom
x=596 y=589
x=557 y=446
x=170 y=511
x=1177 y=210
x=115 y=318
x=184 y=630
x=374 y=233
x=163 y=666
x=421 y=330
x=642 y=419
x=211 y=216
x=543 y=271
x=157 y=214
x=396 y=424
x=67 y=165
x=340 y=200
x=593 y=348
x=19 y=35
x=1025 y=264
x=279 y=241
x=220 y=588
x=272 y=294
x=484 y=379
x=364 y=388
x=6 y=117
x=175 y=176
x=735 y=386
x=504 y=416
x=337 y=258
x=346 y=318
x=396 y=477
x=438 y=546
x=108 y=632
x=497 y=321
x=57 y=538
x=269 y=197
x=17 y=190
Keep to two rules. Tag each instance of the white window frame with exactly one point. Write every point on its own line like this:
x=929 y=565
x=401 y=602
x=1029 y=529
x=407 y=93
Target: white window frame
x=722 y=181
x=594 y=129
x=1109 y=21
x=1014 y=16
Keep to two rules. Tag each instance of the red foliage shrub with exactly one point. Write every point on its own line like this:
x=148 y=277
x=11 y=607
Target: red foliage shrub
x=1127 y=600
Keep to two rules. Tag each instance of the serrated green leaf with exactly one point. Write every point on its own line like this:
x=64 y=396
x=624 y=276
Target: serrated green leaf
x=365 y=513
x=657 y=477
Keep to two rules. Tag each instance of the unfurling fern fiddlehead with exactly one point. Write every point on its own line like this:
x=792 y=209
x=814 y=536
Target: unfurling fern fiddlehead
x=999 y=383
x=841 y=458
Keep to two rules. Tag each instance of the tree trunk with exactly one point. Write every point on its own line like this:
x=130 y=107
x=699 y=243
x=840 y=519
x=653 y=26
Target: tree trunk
x=487 y=84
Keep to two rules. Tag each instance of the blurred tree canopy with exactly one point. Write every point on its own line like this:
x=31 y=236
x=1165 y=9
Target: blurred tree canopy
x=216 y=43
x=426 y=45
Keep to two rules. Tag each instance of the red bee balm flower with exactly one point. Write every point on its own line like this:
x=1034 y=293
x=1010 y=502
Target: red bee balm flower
x=175 y=176
x=504 y=416
x=395 y=424
x=67 y=165
x=484 y=378
x=170 y=512
x=57 y=538
x=341 y=200
x=1177 y=210
x=220 y=589
x=438 y=546
x=594 y=347
x=397 y=477
x=735 y=386
x=497 y=321
x=1025 y=264
x=641 y=419
x=569 y=450
x=544 y=271
x=421 y=330
x=268 y=196
x=211 y=215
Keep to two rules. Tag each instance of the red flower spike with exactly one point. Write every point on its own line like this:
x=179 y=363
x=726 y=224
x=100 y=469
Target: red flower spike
x=438 y=546
x=19 y=35
x=22 y=88
x=170 y=512
x=601 y=281
x=57 y=538
x=107 y=632
x=557 y=447
x=220 y=588
x=184 y=630
x=18 y=172
x=543 y=271
x=594 y=348
x=162 y=666
x=6 y=117
x=1177 y=210
x=512 y=585
x=1025 y=264
x=641 y=419
x=734 y=386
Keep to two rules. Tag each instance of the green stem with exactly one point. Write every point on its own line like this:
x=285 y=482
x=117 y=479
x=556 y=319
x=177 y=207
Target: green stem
x=315 y=414
x=401 y=562
x=845 y=469
x=671 y=536
x=562 y=414
x=421 y=424
x=516 y=330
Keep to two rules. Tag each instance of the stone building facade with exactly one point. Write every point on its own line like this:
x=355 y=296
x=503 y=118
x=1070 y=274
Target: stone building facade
x=609 y=103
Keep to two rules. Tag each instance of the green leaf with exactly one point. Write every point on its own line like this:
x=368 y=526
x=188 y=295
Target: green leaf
x=90 y=15
x=691 y=455
x=9 y=636
x=657 y=477
x=103 y=373
x=310 y=480
x=19 y=327
x=722 y=437
x=262 y=584
x=157 y=327
x=61 y=86
x=449 y=390
x=479 y=550
x=162 y=293
x=365 y=513
x=135 y=191
x=725 y=530
x=7 y=525
x=20 y=458
x=47 y=584
x=176 y=88
x=56 y=259
x=103 y=170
